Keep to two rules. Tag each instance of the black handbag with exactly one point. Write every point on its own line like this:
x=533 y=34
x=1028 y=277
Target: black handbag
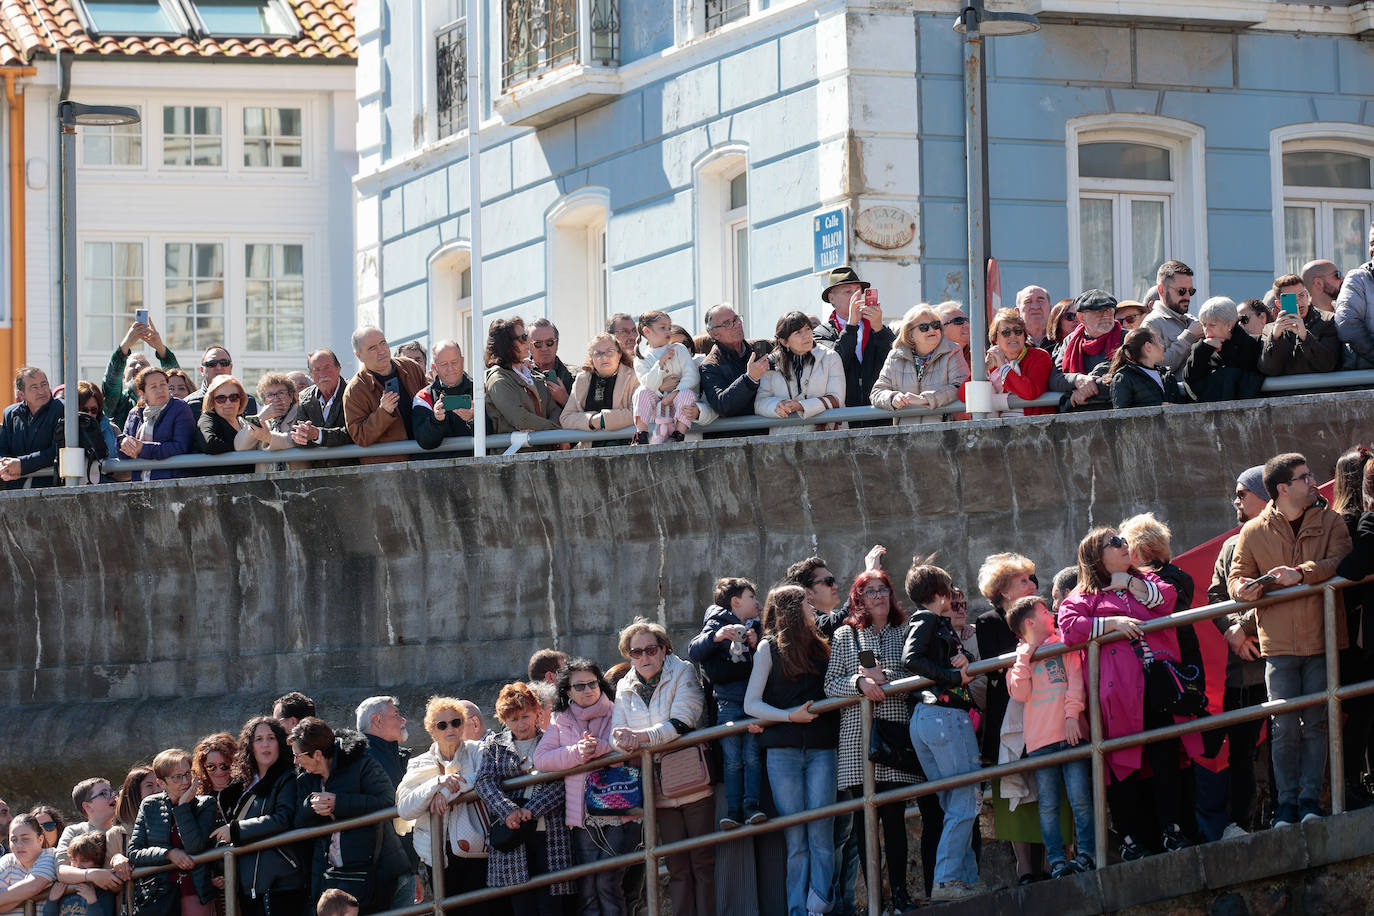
x=359 y=882
x=504 y=838
x=889 y=744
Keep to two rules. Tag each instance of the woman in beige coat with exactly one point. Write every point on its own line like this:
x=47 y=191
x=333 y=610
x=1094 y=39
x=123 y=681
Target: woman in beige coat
x=924 y=368
x=805 y=380
x=602 y=395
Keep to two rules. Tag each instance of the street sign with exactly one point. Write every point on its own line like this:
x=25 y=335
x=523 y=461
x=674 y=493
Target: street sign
x=830 y=238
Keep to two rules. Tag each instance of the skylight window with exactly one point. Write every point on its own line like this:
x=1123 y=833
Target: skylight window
x=243 y=17
x=131 y=17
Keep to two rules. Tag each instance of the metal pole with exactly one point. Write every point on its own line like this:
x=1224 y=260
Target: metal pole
x=231 y=882
x=869 y=824
x=1099 y=760
x=438 y=857
x=1335 y=729
x=978 y=391
x=646 y=779
x=69 y=343
x=476 y=59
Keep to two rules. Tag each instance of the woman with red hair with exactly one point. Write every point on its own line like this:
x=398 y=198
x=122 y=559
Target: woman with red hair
x=876 y=624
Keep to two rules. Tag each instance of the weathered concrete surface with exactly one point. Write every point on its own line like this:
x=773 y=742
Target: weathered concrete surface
x=142 y=615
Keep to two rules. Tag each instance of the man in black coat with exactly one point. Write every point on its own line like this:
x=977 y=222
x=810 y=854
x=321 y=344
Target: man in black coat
x=28 y=432
x=381 y=721
x=855 y=330
x=731 y=372
x=430 y=420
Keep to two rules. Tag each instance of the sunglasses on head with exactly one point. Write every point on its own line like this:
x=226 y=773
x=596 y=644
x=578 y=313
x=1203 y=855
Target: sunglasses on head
x=649 y=651
x=927 y=326
x=451 y=723
x=220 y=363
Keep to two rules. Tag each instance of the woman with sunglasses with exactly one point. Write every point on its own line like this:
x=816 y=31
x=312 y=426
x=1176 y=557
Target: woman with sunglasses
x=161 y=426
x=1115 y=595
x=1014 y=367
x=1063 y=319
x=659 y=699
x=1252 y=316
x=212 y=765
x=876 y=623
x=270 y=881
x=173 y=825
x=517 y=398
x=52 y=823
x=427 y=791
x=581 y=731
x=219 y=425
x=923 y=369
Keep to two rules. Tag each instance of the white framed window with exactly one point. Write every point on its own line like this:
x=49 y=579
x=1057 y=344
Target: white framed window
x=722 y=231
x=450 y=299
x=1323 y=181
x=113 y=146
x=111 y=292
x=193 y=295
x=192 y=135
x=577 y=268
x=274 y=297
x=1136 y=199
x=272 y=138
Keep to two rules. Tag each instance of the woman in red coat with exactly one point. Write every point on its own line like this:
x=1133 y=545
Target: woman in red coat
x=1112 y=594
x=1015 y=368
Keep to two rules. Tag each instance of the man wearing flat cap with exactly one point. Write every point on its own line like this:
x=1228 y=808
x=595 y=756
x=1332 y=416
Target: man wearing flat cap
x=856 y=331
x=1092 y=343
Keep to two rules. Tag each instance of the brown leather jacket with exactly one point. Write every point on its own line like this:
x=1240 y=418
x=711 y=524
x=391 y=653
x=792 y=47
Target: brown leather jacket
x=1292 y=627
x=366 y=423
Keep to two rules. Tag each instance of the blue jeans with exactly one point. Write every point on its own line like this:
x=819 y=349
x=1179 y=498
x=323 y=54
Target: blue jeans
x=743 y=762
x=1077 y=779
x=802 y=780
x=405 y=892
x=847 y=840
x=603 y=893
x=944 y=742
x=1298 y=750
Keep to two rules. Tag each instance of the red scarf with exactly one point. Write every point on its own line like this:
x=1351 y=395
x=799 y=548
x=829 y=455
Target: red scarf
x=864 y=330
x=1078 y=343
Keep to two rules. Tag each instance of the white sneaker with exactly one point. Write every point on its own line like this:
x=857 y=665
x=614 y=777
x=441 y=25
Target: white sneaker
x=1234 y=830
x=955 y=890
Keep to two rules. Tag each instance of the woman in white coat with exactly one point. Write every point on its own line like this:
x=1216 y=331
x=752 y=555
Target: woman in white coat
x=804 y=380
x=426 y=796
x=659 y=699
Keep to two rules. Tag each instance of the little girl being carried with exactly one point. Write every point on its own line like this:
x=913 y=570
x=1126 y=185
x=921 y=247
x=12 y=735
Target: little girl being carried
x=668 y=380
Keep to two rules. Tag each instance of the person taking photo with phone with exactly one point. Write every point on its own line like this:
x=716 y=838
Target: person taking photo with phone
x=855 y=330
x=1302 y=339
x=443 y=409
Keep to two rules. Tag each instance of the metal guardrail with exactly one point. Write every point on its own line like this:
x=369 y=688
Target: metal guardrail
x=1095 y=747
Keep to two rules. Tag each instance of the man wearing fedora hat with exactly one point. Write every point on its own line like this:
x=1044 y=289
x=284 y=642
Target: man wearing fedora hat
x=856 y=331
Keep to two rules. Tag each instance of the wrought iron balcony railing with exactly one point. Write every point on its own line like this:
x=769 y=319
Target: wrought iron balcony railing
x=542 y=35
x=451 y=72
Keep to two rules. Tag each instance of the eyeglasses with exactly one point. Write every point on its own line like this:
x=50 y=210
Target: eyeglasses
x=177 y=777
x=1070 y=316
x=603 y=353
x=546 y=344
x=926 y=326
x=48 y=825
x=297 y=755
x=451 y=723
x=956 y=321
x=828 y=580
x=728 y=323
x=228 y=398
x=275 y=394
x=103 y=793
x=1117 y=540
x=588 y=685
x=217 y=768
x=1305 y=478
x=218 y=363
x=877 y=592
x=649 y=651
x=1011 y=332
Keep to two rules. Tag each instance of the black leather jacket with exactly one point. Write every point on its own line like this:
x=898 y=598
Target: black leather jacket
x=930 y=646
x=152 y=840
x=265 y=810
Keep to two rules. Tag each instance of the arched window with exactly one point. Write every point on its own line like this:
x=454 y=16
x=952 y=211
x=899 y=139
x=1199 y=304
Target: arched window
x=1135 y=201
x=450 y=301
x=1324 y=179
x=722 y=237
x=578 y=273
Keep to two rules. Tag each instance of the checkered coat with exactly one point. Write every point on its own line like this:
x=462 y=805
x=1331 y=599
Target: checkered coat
x=501 y=762
x=841 y=680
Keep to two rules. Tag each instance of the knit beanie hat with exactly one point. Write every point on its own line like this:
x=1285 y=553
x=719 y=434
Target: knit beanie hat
x=1252 y=479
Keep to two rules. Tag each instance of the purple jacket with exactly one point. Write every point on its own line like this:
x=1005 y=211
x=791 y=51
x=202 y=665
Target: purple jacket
x=172 y=434
x=1122 y=679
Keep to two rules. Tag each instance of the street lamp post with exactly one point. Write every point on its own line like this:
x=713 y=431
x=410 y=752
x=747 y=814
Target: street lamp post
x=973 y=23
x=71 y=462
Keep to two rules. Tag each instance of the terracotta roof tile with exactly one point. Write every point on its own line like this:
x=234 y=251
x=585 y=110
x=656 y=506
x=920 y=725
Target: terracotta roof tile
x=29 y=28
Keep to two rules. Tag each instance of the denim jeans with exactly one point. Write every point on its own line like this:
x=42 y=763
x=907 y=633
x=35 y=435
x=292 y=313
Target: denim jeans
x=1077 y=779
x=603 y=894
x=802 y=780
x=944 y=742
x=847 y=841
x=1298 y=751
x=743 y=762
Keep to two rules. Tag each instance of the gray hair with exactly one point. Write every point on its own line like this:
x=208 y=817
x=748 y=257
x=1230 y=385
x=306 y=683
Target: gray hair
x=946 y=306
x=545 y=323
x=444 y=344
x=545 y=691
x=372 y=706
x=1218 y=308
x=362 y=332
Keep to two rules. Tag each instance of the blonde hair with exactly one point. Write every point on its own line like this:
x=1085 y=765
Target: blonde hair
x=996 y=570
x=1005 y=316
x=906 y=331
x=643 y=625
x=435 y=704
x=1148 y=537
x=168 y=760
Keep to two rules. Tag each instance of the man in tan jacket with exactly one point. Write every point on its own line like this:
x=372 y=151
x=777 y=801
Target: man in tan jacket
x=377 y=400
x=1294 y=541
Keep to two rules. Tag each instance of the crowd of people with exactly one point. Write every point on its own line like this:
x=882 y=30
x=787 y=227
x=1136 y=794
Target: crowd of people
x=656 y=382
x=769 y=657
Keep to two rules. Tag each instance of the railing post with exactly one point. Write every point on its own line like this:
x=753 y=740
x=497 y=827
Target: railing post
x=584 y=32
x=1334 y=727
x=231 y=882
x=869 y=821
x=438 y=857
x=646 y=779
x=1099 y=760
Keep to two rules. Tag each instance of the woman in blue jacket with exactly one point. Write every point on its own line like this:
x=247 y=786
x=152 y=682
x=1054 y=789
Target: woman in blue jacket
x=160 y=427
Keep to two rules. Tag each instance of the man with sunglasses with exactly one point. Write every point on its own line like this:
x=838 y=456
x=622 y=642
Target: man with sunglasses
x=378 y=399
x=213 y=364
x=95 y=799
x=1323 y=281
x=1295 y=540
x=544 y=348
x=856 y=331
x=1169 y=318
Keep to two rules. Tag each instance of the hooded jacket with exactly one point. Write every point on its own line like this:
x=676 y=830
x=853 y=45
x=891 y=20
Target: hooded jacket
x=729 y=676
x=266 y=809
x=557 y=750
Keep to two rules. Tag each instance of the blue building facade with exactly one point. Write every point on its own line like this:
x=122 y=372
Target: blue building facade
x=673 y=154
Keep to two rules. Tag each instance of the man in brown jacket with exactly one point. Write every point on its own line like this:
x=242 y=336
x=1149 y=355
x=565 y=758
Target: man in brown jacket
x=1295 y=542
x=377 y=400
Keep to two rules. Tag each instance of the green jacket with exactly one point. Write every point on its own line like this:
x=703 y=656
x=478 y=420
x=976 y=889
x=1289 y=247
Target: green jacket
x=118 y=399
